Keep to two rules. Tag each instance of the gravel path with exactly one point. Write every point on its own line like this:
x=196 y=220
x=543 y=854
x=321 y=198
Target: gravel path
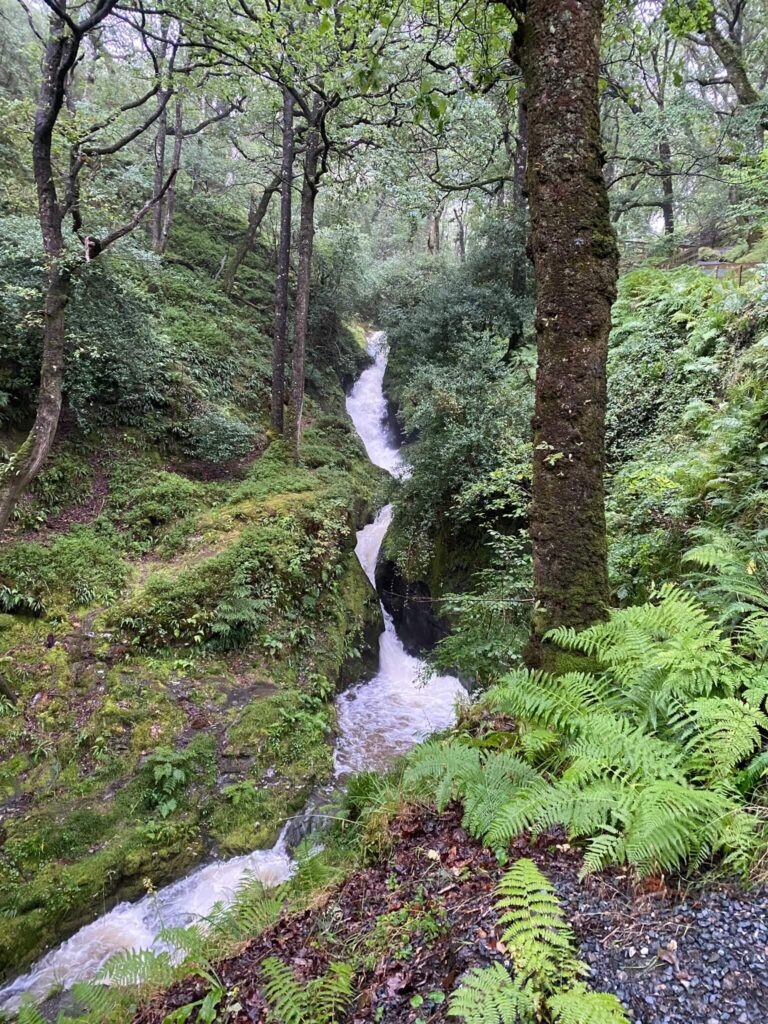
x=697 y=958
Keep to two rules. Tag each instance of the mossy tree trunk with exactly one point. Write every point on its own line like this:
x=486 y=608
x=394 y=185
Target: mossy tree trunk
x=283 y=267
x=60 y=54
x=55 y=206
x=303 y=280
x=575 y=264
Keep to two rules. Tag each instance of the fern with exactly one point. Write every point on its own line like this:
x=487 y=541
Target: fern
x=552 y=702
x=29 y=1014
x=603 y=804
x=542 y=948
x=668 y=824
x=332 y=993
x=753 y=773
x=500 y=778
x=721 y=733
x=287 y=999
x=485 y=779
x=577 y=1005
x=253 y=909
x=612 y=746
x=133 y=968
x=657 y=652
x=535 y=929
x=733 y=573
x=444 y=766
x=488 y=995
x=322 y=1000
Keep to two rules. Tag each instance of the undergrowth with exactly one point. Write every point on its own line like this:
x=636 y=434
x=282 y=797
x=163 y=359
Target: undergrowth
x=656 y=759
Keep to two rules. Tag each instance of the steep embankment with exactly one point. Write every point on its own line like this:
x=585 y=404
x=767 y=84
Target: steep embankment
x=180 y=604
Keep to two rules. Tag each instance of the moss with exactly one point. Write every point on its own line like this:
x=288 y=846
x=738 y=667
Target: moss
x=195 y=623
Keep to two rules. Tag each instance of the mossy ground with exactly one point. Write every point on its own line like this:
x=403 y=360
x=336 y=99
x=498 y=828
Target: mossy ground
x=173 y=634
x=103 y=692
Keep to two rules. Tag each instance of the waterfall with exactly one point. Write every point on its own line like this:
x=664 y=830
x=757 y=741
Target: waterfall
x=378 y=720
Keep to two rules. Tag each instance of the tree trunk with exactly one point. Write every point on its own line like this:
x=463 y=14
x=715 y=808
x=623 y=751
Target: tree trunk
x=156 y=225
x=29 y=458
x=433 y=232
x=61 y=51
x=256 y=214
x=575 y=263
x=733 y=63
x=303 y=278
x=461 y=235
x=520 y=204
x=283 y=267
x=25 y=463
x=166 y=205
x=521 y=152
x=667 y=188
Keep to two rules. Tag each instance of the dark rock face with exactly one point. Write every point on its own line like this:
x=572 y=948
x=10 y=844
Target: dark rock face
x=412 y=609
x=394 y=430
x=363 y=666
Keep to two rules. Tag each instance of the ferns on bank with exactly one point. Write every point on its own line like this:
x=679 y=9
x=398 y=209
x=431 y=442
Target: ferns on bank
x=535 y=929
x=648 y=760
x=577 y=1005
x=322 y=1000
x=486 y=780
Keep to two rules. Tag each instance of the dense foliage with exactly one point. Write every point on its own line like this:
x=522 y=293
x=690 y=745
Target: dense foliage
x=180 y=601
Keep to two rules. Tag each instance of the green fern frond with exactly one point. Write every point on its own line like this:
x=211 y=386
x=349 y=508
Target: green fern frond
x=488 y=995
x=753 y=773
x=191 y=941
x=500 y=778
x=671 y=824
x=583 y=810
x=286 y=997
x=322 y=1000
x=549 y=701
x=611 y=746
x=29 y=1014
x=100 y=1000
x=135 y=968
x=734 y=573
x=253 y=909
x=536 y=742
x=657 y=651
x=721 y=733
x=535 y=929
x=332 y=993
x=443 y=765
x=577 y=1005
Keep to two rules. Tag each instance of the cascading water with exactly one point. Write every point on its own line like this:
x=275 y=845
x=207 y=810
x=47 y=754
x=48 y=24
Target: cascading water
x=378 y=720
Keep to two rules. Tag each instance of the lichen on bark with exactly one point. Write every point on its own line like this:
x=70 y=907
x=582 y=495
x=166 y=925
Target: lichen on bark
x=575 y=262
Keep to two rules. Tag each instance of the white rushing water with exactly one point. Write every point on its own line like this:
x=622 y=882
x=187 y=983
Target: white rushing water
x=378 y=720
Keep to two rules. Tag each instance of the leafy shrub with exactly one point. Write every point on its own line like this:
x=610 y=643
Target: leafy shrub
x=216 y=437
x=170 y=775
x=118 y=370
x=163 y=501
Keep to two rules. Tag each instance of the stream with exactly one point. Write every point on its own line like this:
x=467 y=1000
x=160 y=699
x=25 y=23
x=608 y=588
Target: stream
x=378 y=720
